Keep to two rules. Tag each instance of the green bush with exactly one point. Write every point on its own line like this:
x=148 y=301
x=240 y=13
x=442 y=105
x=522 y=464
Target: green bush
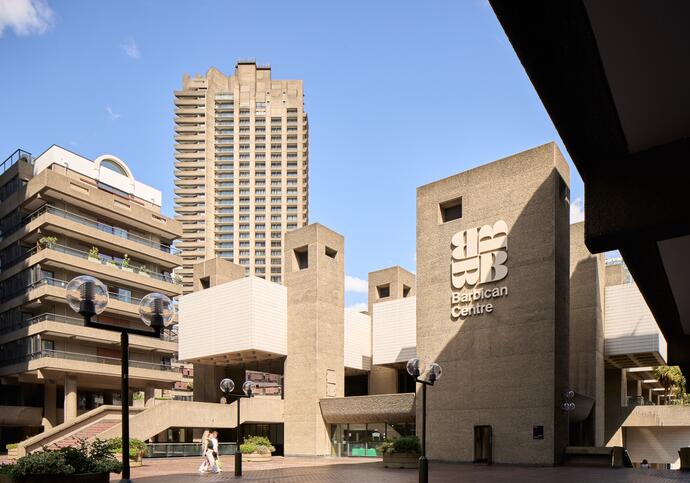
x=261 y=444
x=11 y=446
x=403 y=444
x=137 y=448
x=85 y=458
x=247 y=448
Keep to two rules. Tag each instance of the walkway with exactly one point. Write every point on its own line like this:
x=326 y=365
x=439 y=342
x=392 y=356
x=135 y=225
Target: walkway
x=337 y=470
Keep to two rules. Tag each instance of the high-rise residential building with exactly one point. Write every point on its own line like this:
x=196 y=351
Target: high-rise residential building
x=242 y=168
x=63 y=215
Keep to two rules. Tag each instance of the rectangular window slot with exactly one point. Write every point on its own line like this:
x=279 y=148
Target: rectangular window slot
x=301 y=258
x=406 y=291
x=331 y=252
x=383 y=291
x=451 y=210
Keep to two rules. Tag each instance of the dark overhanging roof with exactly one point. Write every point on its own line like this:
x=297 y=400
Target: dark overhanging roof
x=582 y=58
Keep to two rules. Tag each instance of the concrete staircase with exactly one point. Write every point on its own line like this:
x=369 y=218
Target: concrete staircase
x=105 y=422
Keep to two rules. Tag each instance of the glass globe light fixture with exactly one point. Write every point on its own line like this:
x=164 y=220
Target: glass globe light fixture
x=156 y=311
x=415 y=367
x=87 y=295
x=248 y=388
x=569 y=394
x=435 y=372
x=227 y=386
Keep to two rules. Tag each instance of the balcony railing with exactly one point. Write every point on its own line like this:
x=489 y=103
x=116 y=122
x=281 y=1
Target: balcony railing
x=119 y=265
x=639 y=401
x=167 y=334
x=176 y=450
x=82 y=220
x=76 y=356
x=13 y=158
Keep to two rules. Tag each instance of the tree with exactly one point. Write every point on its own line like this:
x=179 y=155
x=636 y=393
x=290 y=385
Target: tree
x=673 y=381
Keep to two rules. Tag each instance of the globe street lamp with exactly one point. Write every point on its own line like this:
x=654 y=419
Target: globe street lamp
x=227 y=386
x=89 y=296
x=417 y=369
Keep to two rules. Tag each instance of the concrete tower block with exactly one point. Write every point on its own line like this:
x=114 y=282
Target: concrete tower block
x=314 y=368
x=493 y=257
x=387 y=284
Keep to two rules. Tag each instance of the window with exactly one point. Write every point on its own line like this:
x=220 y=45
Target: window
x=330 y=252
x=205 y=282
x=113 y=166
x=450 y=210
x=383 y=291
x=300 y=258
x=406 y=291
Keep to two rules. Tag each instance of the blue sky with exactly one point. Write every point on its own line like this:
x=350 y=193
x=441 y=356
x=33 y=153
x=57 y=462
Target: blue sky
x=399 y=93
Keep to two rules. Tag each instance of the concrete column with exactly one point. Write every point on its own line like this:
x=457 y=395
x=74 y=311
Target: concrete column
x=70 y=398
x=49 y=405
x=314 y=367
x=383 y=380
x=149 y=396
x=639 y=389
x=624 y=388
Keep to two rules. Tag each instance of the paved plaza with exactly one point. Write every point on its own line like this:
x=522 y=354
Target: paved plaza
x=332 y=470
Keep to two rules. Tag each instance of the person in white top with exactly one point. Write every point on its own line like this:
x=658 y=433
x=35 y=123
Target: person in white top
x=215 y=465
x=203 y=468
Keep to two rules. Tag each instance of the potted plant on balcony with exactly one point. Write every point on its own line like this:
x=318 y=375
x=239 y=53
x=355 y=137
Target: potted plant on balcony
x=256 y=448
x=125 y=265
x=402 y=452
x=93 y=255
x=137 y=450
x=143 y=270
x=85 y=463
x=47 y=242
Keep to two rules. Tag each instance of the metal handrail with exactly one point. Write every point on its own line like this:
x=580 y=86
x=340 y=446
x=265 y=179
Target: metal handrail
x=82 y=220
x=76 y=356
x=170 y=450
x=14 y=157
x=85 y=255
x=167 y=334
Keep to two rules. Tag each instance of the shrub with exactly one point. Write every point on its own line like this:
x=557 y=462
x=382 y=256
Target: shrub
x=93 y=253
x=403 y=444
x=247 y=448
x=47 y=241
x=11 y=446
x=85 y=458
x=261 y=443
x=137 y=448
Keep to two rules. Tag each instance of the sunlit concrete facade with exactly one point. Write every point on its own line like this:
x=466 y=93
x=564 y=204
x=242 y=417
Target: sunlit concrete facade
x=506 y=298
x=64 y=215
x=241 y=169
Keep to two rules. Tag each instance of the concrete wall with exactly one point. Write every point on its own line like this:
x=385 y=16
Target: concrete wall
x=587 y=273
x=507 y=368
x=314 y=368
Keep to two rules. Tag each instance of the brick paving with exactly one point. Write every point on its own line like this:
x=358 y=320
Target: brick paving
x=361 y=470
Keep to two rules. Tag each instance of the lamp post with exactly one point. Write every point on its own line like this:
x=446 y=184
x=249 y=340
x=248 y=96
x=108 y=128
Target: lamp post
x=416 y=369
x=89 y=296
x=227 y=386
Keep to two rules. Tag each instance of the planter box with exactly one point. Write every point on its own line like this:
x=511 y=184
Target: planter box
x=133 y=463
x=128 y=269
x=401 y=460
x=256 y=457
x=94 y=259
x=81 y=478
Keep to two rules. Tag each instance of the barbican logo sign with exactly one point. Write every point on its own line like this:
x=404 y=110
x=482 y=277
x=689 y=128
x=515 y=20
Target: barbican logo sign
x=478 y=257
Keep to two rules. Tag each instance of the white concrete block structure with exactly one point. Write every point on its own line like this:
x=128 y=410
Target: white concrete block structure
x=245 y=319
x=357 y=340
x=394 y=336
x=631 y=334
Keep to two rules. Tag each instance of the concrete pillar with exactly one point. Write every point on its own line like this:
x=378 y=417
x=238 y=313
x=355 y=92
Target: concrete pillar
x=587 y=294
x=383 y=380
x=49 y=405
x=314 y=368
x=624 y=388
x=70 y=398
x=639 y=388
x=493 y=306
x=149 y=396
x=398 y=283
x=206 y=382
